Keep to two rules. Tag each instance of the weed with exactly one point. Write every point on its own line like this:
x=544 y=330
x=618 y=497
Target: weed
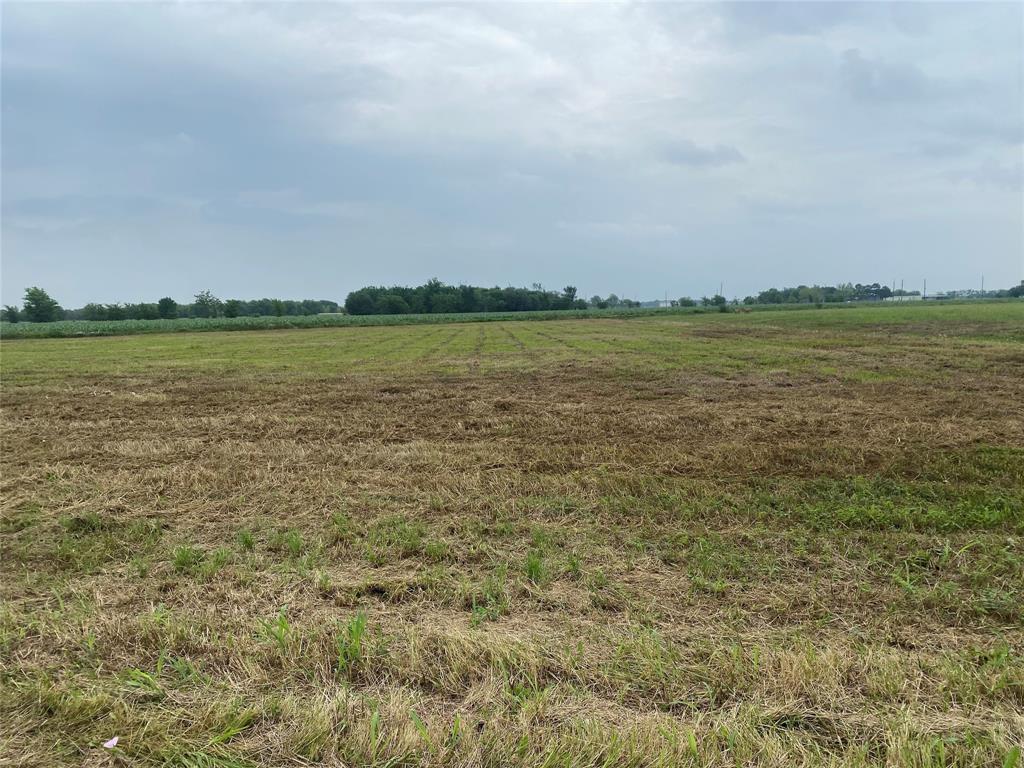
x=574 y=566
x=279 y=631
x=341 y=528
x=349 y=644
x=393 y=537
x=535 y=570
x=437 y=551
x=187 y=559
x=289 y=542
x=491 y=600
x=246 y=540
x=215 y=562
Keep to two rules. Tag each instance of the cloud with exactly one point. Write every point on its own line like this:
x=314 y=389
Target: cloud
x=633 y=228
x=685 y=152
x=1009 y=176
x=790 y=18
x=292 y=202
x=878 y=80
x=43 y=223
x=505 y=143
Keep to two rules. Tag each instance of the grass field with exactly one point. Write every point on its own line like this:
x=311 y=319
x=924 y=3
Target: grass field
x=772 y=539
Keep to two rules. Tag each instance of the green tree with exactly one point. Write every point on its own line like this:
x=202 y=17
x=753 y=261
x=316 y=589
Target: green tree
x=40 y=307
x=141 y=311
x=392 y=304
x=94 y=311
x=206 y=305
x=686 y=301
x=360 y=303
x=11 y=314
x=445 y=303
x=232 y=307
x=167 y=308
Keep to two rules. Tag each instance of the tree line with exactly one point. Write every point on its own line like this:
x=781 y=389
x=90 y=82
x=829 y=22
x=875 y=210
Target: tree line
x=824 y=294
x=844 y=292
x=435 y=297
x=40 y=307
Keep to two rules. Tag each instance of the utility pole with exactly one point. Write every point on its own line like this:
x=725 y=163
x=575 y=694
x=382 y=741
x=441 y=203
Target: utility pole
x=925 y=294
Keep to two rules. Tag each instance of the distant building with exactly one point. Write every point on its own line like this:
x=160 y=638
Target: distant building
x=908 y=297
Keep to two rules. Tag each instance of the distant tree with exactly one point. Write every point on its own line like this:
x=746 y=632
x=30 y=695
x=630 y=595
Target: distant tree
x=445 y=303
x=141 y=311
x=206 y=305
x=392 y=304
x=232 y=307
x=705 y=301
x=259 y=307
x=437 y=297
x=167 y=308
x=279 y=307
x=686 y=301
x=93 y=311
x=595 y=300
x=718 y=300
x=613 y=300
x=40 y=307
x=114 y=312
x=11 y=314
x=1016 y=292
x=360 y=303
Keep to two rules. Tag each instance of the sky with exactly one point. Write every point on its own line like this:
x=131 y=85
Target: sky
x=303 y=150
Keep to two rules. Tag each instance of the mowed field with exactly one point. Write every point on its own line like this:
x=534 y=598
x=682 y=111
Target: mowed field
x=772 y=539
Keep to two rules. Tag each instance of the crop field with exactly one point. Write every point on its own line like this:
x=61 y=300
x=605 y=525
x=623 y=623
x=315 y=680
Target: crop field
x=78 y=328
x=765 y=539
x=75 y=328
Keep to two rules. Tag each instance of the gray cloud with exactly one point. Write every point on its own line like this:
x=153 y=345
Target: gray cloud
x=306 y=149
x=992 y=174
x=874 y=80
x=684 y=152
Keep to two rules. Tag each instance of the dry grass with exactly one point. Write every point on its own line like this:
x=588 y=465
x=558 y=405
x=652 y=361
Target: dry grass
x=738 y=540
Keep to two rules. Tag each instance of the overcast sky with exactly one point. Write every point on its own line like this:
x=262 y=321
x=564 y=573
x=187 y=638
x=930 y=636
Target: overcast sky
x=305 y=150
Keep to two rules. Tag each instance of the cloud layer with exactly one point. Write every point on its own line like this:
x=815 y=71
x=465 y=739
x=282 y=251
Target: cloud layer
x=304 y=150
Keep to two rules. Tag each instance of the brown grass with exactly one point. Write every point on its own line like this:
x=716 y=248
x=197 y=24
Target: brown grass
x=559 y=561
